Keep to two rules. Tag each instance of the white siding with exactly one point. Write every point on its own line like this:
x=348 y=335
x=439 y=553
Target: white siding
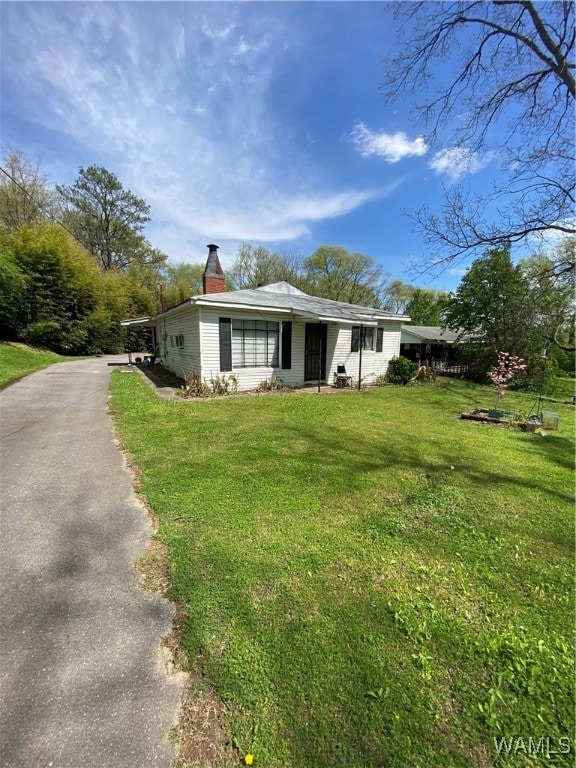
x=339 y=338
x=409 y=338
x=182 y=322
x=248 y=378
x=373 y=363
x=201 y=351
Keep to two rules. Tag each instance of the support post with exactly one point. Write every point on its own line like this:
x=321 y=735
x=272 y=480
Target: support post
x=360 y=346
x=320 y=357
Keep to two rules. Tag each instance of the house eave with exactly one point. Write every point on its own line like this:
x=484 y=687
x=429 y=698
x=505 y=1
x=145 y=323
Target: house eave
x=234 y=305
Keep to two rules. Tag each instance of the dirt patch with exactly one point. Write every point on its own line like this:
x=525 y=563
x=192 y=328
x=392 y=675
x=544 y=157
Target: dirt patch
x=201 y=739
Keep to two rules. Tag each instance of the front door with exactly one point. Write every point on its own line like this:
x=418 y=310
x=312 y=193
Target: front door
x=315 y=352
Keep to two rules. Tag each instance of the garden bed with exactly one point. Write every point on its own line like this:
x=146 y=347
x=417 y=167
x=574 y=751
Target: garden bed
x=545 y=421
x=490 y=416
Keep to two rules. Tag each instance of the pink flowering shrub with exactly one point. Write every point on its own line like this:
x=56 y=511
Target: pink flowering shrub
x=504 y=371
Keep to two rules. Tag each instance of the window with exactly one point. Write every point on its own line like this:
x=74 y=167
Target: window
x=379 y=339
x=177 y=342
x=255 y=344
x=367 y=338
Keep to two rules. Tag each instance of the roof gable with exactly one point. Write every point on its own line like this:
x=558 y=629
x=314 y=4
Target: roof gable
x=281 y=287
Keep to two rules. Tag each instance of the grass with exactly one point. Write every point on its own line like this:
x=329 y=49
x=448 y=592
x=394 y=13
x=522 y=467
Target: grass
x=367 y=580
x=18 y=360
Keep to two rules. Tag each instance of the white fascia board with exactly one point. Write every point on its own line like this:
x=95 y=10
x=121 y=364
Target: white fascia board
x=301 y=315
x=400 y=318
x=177 y=308
x=232 y=306
x=345 y=321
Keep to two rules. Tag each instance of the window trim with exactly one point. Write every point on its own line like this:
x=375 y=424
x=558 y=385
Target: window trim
x=271 y=333
x=177 y=341
x=380 y=339
x=359 y=332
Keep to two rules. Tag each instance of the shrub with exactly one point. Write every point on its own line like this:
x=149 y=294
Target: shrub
x=224 y=385
x=195 y=386
x=43 y=333
x=271 y=384
x=401 y=370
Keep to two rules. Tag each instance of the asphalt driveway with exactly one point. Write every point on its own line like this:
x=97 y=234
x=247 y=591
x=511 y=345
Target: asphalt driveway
x=82 y=678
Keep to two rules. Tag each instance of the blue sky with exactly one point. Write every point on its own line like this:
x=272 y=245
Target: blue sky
x=260 y=122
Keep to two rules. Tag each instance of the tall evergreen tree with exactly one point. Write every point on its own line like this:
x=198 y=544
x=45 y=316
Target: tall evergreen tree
x=108 y=219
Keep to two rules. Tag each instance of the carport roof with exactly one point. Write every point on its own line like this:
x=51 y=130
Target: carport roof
x=433 y=334
x=138 y=321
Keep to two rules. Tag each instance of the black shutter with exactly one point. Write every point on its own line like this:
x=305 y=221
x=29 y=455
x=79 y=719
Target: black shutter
x=286 y=345
x=379 y=339
x=225 y=344
x=355 y=338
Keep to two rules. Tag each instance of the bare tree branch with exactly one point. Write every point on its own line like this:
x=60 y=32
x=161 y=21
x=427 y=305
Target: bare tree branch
x=511 y=93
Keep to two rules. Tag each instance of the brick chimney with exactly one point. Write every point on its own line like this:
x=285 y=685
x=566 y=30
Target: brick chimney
x=213 y=277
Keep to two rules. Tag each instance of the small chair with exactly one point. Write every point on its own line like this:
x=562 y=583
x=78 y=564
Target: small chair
x=342 y=378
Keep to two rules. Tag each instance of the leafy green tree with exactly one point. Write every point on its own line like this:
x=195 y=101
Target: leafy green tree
x=507 y=307
x=256 y=265
x=554 y=277
x=180 y=281
x=12 y=291
x=108 y=219
x=61 y=289
x=25 y=193
x=396 y=296
x=335 y=273
x=426 y=306
x=554 y=296
x=499 y=77
x=54 y=295
x=490 y=304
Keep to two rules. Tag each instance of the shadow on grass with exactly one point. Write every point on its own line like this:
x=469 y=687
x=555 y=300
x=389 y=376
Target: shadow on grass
x=332 y=676
x=342 y=676
x=297 y=654
x=338 y=454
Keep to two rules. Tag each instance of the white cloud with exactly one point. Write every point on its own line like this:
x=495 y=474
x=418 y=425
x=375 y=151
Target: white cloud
x=212 y=30
x=180 y=46
x=185 y=127
x=391 y=146
x=456 y=162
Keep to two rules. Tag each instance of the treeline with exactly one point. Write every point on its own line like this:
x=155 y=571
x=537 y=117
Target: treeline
x=74 y=262
x=524 y=308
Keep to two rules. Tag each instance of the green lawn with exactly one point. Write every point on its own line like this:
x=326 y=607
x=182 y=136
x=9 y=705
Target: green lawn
x=18 y=360
x=368 y=580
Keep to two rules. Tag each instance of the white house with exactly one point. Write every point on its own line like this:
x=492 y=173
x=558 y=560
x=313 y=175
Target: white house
x=273 y=330
x=433 y=343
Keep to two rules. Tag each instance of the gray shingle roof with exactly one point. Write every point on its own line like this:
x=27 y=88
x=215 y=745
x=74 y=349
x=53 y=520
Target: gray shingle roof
x=286 y=297
x=432 y=333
